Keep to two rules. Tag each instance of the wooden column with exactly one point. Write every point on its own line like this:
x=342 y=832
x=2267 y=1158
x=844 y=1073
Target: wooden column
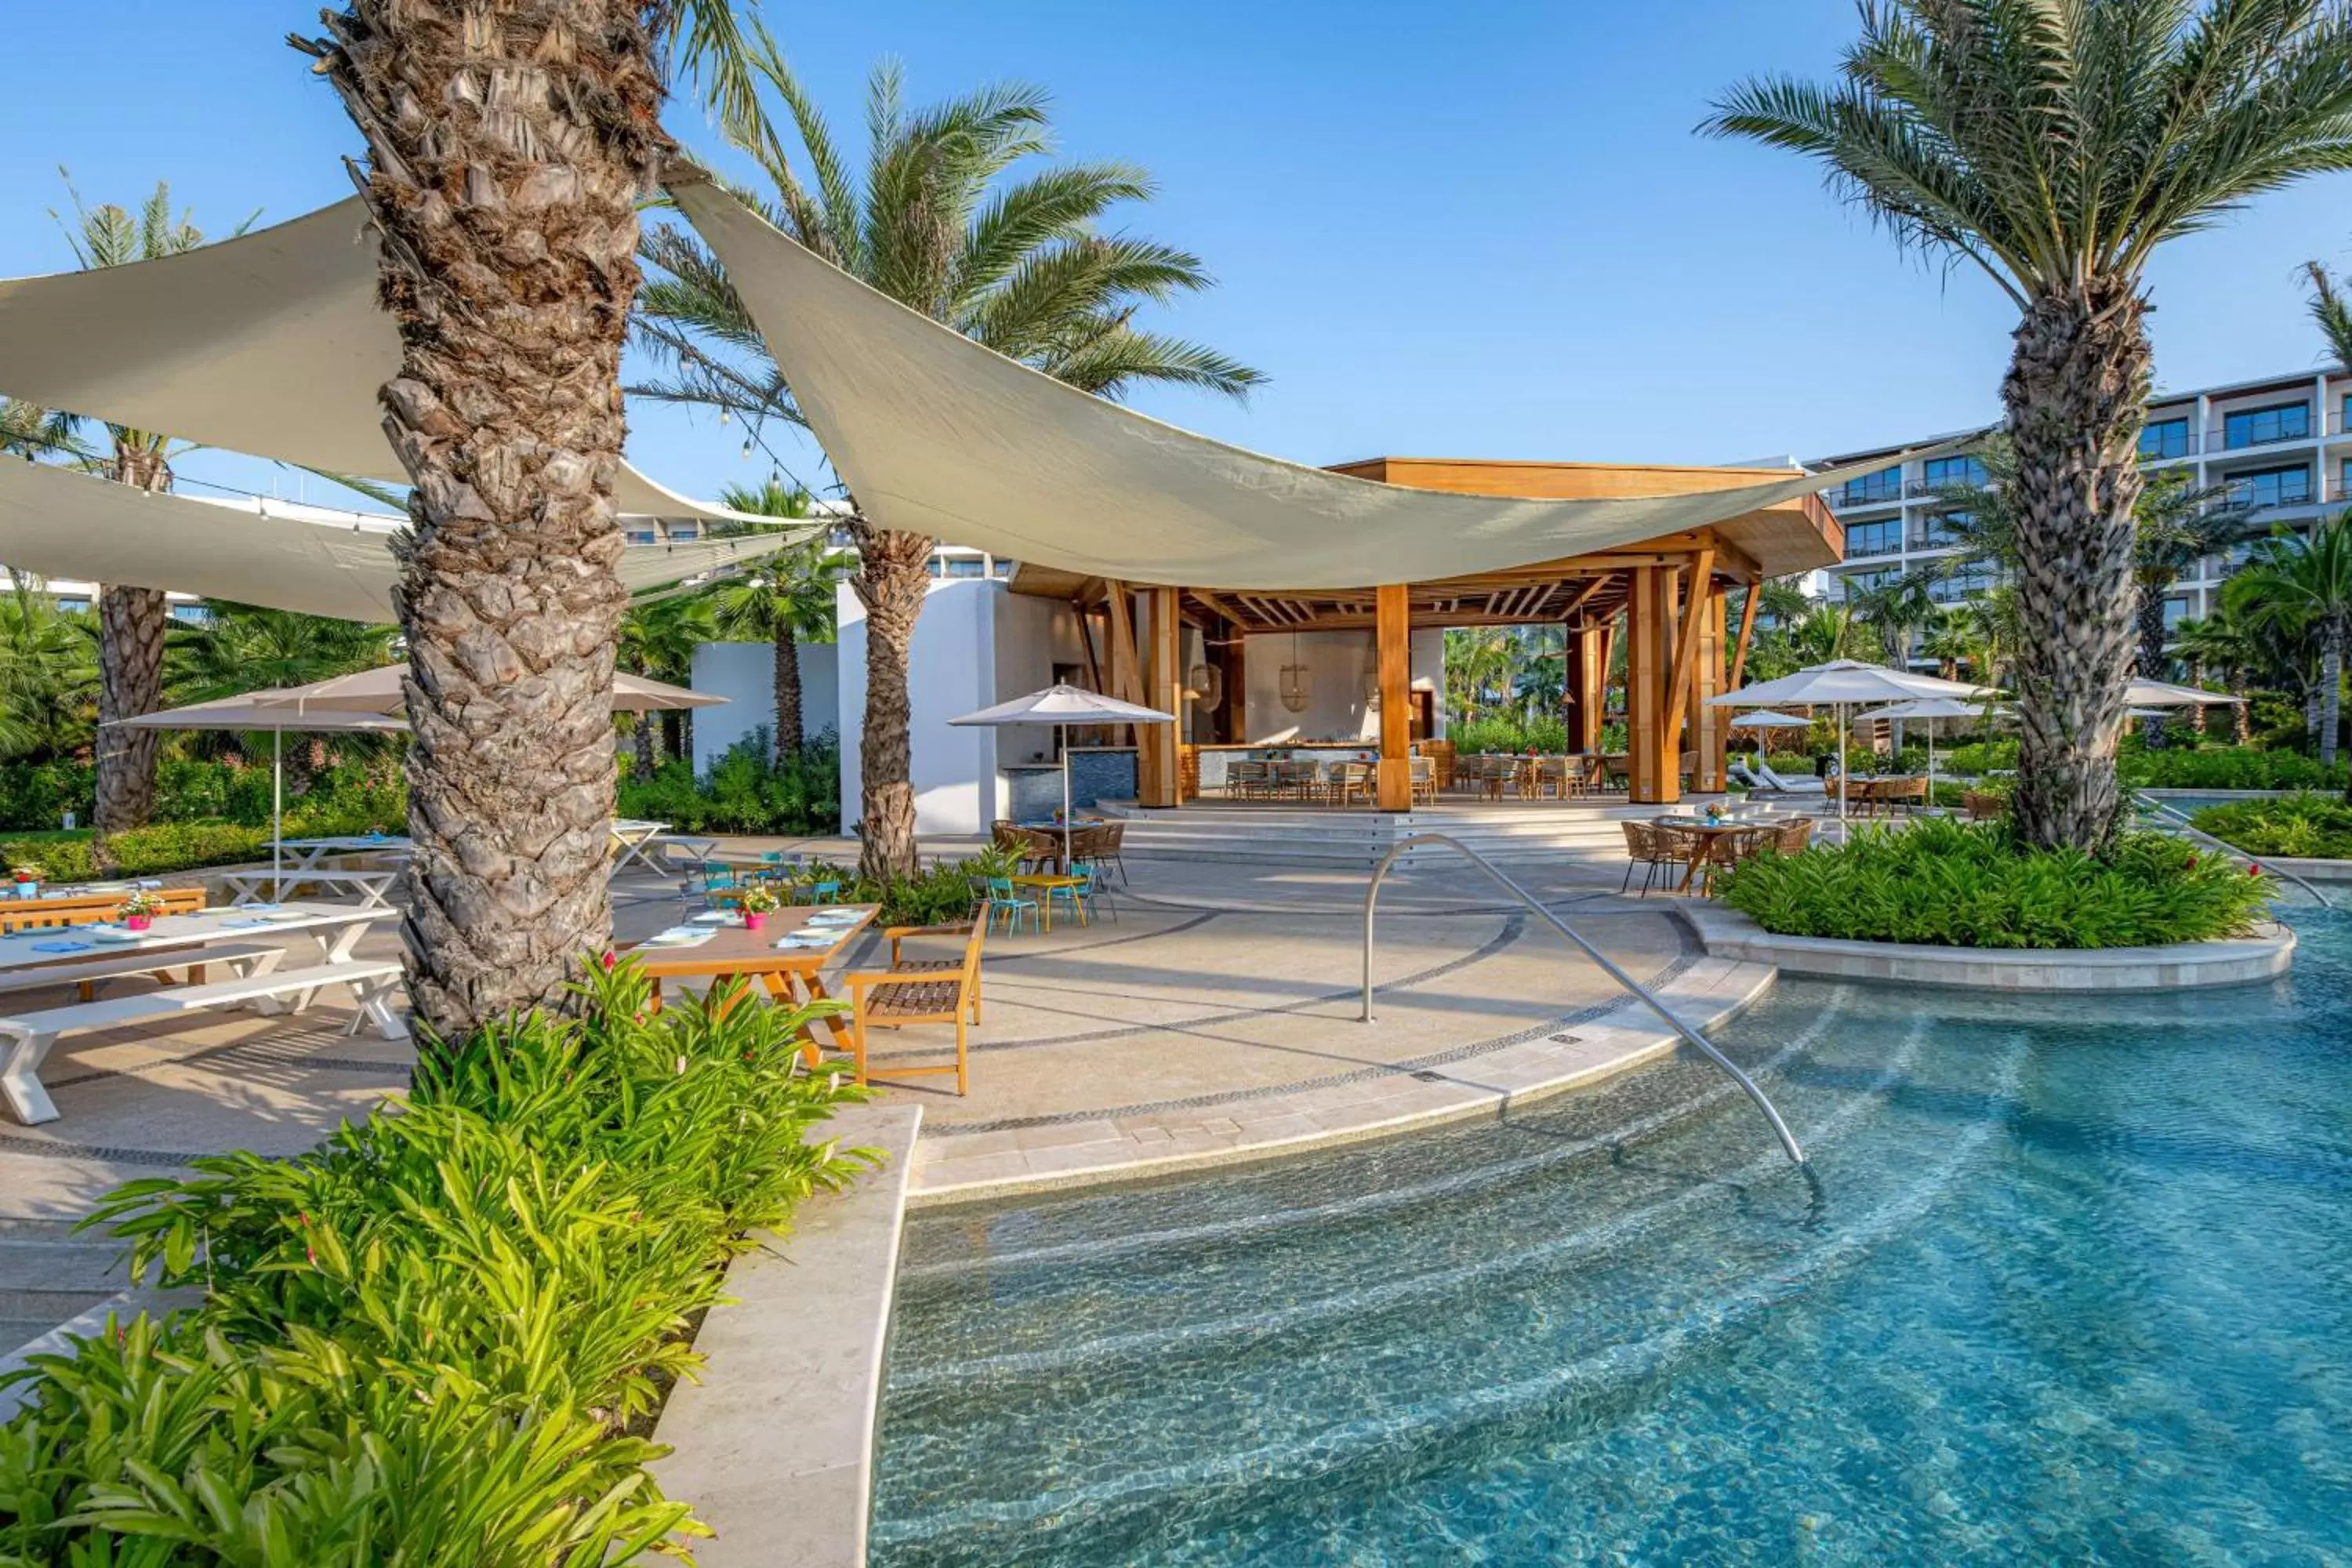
x=1649 y=672
x=1156 y=772
x=1233 y=714
x=1392 y=638
x=1710 y=730
x=1587 y=685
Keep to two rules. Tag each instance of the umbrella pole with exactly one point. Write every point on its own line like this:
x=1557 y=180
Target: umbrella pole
x=1840 y=764
x=1066 y=805
x=277 y=816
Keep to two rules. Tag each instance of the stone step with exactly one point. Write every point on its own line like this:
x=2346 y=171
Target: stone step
x=49 y=1308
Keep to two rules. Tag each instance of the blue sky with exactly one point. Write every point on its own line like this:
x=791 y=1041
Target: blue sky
x=1472 y=230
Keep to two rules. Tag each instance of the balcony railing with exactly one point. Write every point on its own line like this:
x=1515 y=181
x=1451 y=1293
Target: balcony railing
x=1875 y=493
x=2271 y=433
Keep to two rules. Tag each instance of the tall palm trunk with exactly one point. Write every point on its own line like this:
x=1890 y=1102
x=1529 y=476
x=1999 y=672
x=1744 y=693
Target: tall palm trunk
x=2149 y=612
x=892 y=577
x=788 y=693
x=507 y=148
x=2331 y=693
x=131 y=626
x=2241 y=714
x=2077 y=381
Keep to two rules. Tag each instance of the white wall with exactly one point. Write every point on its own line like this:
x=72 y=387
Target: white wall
x=744 y=673
x=1338 y=661
x=952 y=671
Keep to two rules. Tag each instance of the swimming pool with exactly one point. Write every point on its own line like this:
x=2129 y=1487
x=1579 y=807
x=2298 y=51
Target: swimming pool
x=2070 y=1281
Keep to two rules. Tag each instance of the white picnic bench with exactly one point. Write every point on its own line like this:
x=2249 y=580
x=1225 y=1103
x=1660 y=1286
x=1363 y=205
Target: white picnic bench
x=183 y=941
x=373 y=889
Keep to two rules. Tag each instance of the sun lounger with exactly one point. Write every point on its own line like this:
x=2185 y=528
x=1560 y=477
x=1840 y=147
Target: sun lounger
x=1774 y=782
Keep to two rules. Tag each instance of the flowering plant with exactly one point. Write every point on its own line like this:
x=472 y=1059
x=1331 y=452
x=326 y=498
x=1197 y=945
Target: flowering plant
x=758 y=899
x=25 y=873
x=142 y=902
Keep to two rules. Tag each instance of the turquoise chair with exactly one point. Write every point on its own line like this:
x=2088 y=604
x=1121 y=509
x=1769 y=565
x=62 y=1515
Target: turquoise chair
x=1005 y=900
x=825 y=893
x=1080 y=896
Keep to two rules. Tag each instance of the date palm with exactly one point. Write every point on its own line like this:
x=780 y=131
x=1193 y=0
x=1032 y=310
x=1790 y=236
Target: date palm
x=2175 y=523
x=938 y=220
x=48 y=674
x=507 y=148
x=2056 y=146
x=2298 y=587
x=240 y=647
x=2220 y=647
x=657 y=638
x=785 y=599
x=2331 y=312
x=132 y=618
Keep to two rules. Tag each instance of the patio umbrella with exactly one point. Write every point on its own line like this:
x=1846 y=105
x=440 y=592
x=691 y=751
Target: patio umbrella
x=246 y=712
x=1844 y=683
x=2164 y=694
x=1932 y=709
x=1062 y=705
x=378 y=691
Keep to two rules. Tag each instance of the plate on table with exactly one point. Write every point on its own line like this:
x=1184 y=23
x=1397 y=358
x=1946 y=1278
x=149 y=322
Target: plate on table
x=680 y=936
x=802 y=942
x=112 y=933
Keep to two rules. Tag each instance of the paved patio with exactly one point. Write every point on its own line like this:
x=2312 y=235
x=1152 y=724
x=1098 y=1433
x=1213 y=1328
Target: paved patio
x=1218 y=1007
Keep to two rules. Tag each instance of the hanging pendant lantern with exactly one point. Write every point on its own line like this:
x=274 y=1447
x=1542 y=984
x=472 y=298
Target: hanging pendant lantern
x=1205 y=684
x=1297 y=685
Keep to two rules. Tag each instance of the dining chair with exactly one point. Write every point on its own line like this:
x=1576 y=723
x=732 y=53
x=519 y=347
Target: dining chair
x=1005 y=901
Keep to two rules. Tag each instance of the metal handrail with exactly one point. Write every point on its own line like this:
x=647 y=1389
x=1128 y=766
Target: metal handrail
x=2177 y=818
x=1371 y=905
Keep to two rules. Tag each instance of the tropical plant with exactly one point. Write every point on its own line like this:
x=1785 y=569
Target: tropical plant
x=935 y=221
x=2331 y=313
x=2056 y=147
x=241 y=647
x=2219 y=645
x=1949 y=883
x=440 y=1336
x=2298 y=585
x=1482 y=668
x=2305 y=826
x=749 y=789
x=1953 y=638
x=1892 y=611
x=47 y=676
x=132 y=618
x=507 y=151
x=656 y=639
x=2227 y=767
x=783 y=599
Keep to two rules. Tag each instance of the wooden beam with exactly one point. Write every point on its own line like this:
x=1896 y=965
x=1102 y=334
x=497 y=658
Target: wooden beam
x=1086 y=641
x=1647 y=665
x=1125 y=683
x=1710 y=728
x=1698 y=582
x=1392 y=640
x=1158 y=778
x=1588 y=688
x=1747 y=633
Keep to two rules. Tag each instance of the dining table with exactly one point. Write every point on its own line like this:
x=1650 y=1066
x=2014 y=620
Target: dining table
x=335 y=928
x=1712 y=834
x=785 y=956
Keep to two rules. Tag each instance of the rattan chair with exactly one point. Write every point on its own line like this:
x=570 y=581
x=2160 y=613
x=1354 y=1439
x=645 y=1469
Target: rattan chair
x=1649 y=847
x=1793 y=836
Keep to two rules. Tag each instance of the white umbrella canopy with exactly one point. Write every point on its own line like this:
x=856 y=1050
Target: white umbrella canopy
x=1771 y=721
x=378 y=691
x=2164 y=694
x=1840 y=684
x=1064 y=705
x=248 y=712
x=1932 y=709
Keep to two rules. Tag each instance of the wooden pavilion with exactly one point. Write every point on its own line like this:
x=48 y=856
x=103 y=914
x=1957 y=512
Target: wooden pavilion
x=1665 y=597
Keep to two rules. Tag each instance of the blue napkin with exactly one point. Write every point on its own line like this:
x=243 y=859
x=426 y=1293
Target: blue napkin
x=61 y=947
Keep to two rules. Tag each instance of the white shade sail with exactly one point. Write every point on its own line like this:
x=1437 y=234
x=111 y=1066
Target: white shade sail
x=60 y=523
x=271 y=344
x=1065 y=705
x=936 y=434
x=378 y=690
x=1844 y=682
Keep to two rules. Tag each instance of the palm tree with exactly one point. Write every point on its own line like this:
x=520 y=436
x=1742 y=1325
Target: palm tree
x=2298 y=586
x=1482 y=667
x=2219 y=645
x=2175 y=523
x=241 y=647
x=47 y=677
x=2331 y=313
x=935 y=221
x=2055 y=147
x=1893 y=610
x=132 y=619
x=785 y=599
x=1954 y=637
x=507 y=148
x=657 y=638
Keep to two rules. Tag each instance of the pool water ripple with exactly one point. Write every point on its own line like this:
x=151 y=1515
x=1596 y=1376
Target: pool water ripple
x=2067 y=1287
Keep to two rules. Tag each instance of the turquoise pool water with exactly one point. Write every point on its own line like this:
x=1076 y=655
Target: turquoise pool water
x=2073 y=1283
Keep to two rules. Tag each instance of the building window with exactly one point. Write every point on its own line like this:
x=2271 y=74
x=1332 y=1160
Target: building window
x=966 y=566
x=687 y=533
x=1956 y=473
x=1001 y=567
x=2344 y=478
x=73 y=606
x=639 y=536
x=1940 y=528
x=1855 y=582
x=1881 y=538
x=1975 y=578
x=937 y=569
x=1884 y=485
x=193 y=615
x=2164 y=438
x=2270 y=487
x=2260 y=426
x=2176 y=610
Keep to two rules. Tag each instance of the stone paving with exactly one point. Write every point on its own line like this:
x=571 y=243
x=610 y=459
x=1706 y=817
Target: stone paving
x=1215 y=1013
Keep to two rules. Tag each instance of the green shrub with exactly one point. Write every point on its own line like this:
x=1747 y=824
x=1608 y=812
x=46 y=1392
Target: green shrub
x=2226 y=767
x=35 y=796
x=2318 y=826
x=441 y=1336
x=1969 y=885
x=939 y=895
x=745 y=791
x=1978 y=757
x=1546 y=732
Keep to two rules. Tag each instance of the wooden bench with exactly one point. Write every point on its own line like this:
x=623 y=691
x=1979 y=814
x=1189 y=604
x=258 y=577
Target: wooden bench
x=918 y=993
x=88 y=973
x=29 y=1036
x=90 y=909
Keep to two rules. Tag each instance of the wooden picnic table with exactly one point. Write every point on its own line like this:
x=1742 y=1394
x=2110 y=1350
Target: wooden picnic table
x=788 y=974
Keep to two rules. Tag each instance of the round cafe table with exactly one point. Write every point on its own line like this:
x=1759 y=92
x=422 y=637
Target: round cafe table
x=1711 y=837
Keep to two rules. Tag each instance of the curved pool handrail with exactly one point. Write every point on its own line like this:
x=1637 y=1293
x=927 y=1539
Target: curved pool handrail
x=1371 y=905
x=2166 y=812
